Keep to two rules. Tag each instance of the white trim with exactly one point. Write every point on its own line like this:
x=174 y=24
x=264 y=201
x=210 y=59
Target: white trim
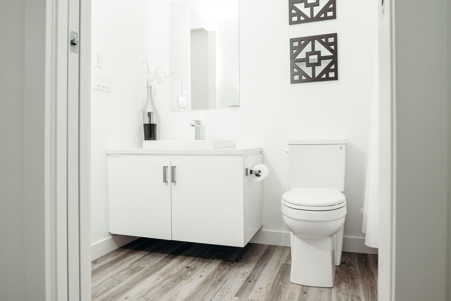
x=387 y=144
x=73 y=159
x=109 y=244
x=279 y=238
x=84 y=151
x=56 y=34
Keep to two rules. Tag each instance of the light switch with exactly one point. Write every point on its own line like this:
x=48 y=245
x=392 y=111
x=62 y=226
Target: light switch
x=98 y=58
x=102 y=82
x=182 y=102
x=184 y=88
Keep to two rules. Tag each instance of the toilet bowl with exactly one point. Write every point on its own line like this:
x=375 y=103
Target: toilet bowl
x=315 y=218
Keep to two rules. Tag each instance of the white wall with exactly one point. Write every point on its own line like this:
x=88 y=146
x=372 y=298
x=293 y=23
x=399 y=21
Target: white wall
x=179 y=48
x=12 y=16
x=119 y=30
x=421 y=150
x=273 y=111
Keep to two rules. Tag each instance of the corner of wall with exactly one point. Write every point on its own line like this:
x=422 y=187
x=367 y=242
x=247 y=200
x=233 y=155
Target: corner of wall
x=109 y=244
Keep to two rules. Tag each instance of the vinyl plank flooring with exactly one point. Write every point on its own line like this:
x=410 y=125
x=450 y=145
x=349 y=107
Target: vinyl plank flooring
x=209 y=287
x=167 y=282
x=264 y=283
x=108 y=270
x=194 y=282
x=346 y=281
x=373 y=259
x=239 y=273
x=280 y=283
x=152 y=269
x=315 y=294
x=256 y=272
x=117 y=277
x=118 y=252
x=116 y=292
x=107 y=262
x=369 y=285
x=150 y=287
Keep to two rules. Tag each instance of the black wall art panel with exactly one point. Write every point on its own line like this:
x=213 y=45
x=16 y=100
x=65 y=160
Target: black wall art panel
x=305 y=11
x=314 y=58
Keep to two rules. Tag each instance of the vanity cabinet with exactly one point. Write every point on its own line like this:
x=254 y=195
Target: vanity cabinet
x=195 y=198
x=139 y=199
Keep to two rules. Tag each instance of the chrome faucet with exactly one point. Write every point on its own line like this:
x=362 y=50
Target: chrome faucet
x=199 y=129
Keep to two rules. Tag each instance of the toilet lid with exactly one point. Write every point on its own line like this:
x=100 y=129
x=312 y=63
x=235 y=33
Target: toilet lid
x=314 y=197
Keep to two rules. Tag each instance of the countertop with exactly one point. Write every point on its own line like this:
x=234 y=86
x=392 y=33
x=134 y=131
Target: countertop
x=246 y=151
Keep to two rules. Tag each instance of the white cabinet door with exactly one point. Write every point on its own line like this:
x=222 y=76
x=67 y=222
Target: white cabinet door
x=207 y=200
x=139 y=198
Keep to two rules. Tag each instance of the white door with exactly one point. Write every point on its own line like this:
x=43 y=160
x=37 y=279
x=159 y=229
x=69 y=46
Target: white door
x=139 y=196
x=207 y=199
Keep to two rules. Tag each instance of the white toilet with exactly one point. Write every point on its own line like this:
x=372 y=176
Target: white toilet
x=314 y=210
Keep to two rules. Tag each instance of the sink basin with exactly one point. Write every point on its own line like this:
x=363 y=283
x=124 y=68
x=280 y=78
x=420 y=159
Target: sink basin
x=188 y=144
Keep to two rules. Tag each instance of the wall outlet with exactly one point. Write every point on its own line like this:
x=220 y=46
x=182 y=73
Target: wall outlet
x=102 y=82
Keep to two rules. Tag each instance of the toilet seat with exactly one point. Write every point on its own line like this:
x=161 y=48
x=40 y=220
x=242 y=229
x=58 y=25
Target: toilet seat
x=314 y=199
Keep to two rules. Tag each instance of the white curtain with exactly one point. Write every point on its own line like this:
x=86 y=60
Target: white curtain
x=371 y=209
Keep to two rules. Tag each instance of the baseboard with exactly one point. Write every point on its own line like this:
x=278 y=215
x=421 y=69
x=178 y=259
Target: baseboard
x=357 y=245
x=350 y=243
x=275 y=238
x=109 y=244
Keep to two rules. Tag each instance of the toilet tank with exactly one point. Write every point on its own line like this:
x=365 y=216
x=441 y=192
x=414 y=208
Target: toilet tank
x=317 y=163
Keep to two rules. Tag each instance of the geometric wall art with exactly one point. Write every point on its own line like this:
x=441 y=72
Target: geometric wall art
x=314 y=58
x=305 y=11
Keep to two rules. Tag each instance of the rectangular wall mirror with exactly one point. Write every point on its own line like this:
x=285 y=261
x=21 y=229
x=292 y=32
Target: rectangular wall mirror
x=204 y=55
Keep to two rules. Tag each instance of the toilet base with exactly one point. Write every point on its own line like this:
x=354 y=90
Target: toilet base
x=313 y=261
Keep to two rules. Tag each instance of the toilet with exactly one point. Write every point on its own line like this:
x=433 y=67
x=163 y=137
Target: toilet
x=314 y=209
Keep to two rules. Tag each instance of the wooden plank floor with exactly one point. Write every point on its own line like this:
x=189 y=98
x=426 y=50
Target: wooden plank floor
x=151 y=269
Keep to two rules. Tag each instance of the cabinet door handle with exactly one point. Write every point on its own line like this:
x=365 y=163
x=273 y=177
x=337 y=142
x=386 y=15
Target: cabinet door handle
x=165 y=174
x=173 y=169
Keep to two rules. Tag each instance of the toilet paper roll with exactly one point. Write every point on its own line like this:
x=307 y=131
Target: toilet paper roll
x=260 y=172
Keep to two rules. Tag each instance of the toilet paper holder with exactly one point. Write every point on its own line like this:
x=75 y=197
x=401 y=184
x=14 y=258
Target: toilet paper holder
x=256 y=172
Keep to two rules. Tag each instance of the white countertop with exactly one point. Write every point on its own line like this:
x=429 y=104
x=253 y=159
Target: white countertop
x=206 y=152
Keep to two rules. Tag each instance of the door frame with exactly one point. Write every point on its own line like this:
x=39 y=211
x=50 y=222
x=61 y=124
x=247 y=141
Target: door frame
x=62 y=16
x=387 y=149
x=58 y=120
x=85 y=150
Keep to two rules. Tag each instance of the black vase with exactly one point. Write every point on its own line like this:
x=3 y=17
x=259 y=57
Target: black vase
x=150 y=131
